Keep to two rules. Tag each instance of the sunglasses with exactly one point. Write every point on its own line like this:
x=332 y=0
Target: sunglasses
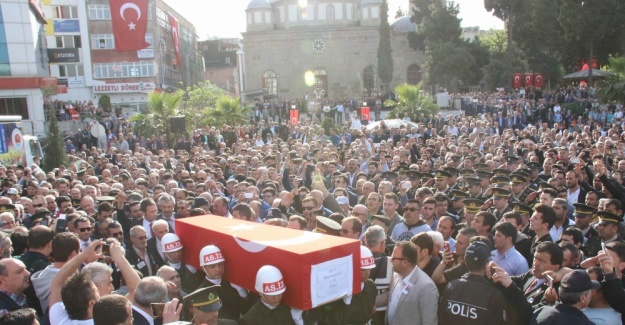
x=117 y=234
x=411 y=209
x=38 y=205
x=308 y=208
x=85 y=229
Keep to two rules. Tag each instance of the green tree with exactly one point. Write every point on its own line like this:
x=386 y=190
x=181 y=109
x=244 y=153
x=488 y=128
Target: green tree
x=436 y=23
x=612 y=88
x=412 y=100
x=496 y=71
x=105 y=102
x=228 y=111
x=55 y=147
x=385 y=57
x=161 y=107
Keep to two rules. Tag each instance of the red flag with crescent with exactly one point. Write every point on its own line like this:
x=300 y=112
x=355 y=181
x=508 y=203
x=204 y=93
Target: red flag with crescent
x=130 y=23
x=539 y=80
x=364 y=112
x=175 y=36
x=529 y=80
x=294 y=116
x=516 y=83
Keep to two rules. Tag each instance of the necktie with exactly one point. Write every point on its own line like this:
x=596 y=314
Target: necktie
x=84 y=245
x=151 y=230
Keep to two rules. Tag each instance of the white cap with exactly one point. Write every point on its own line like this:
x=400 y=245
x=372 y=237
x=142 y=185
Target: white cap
x=342 y=200
x=367 y=261
x=210 y=254
x=171 y=243
x=269 y=281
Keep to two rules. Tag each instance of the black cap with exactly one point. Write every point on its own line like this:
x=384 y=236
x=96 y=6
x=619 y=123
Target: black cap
x=467 y=172
x=517 y=179
x=481 y=166
x=500 y=192
x=426 y=176
x=327 y=226
x=501 y=180
x=473 y=181
x=199 y=202
x=606 y=216
x=382 y=218
x=521 y=208
x=456 y=158
x=545 y=185
x=477 y=254
x=442 y=175
x=40 y=214
x=81 y=172
x=511 y=159
x=413 y=174
x=275 y=213
x=484 y=173
x=7 y=208
x=452 y=171
x=389 y=175
x=205 y=299
x=533 y=165
x=583 y=210
x=457 y=195
x=472 y=205
x=401 y=169
x=501 y=172
x=578 y=281
x=75 y=203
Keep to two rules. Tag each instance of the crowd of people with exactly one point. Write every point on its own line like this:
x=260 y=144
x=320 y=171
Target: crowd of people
x=461 y=220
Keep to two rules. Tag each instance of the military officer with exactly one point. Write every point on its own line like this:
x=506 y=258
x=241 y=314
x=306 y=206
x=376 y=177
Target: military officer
x=500 y=202
x=203 y=306
x=362 y=305
x=608 y=232
x=269 y=309
x=441 y=184
x=328 y=226
x=457 y=206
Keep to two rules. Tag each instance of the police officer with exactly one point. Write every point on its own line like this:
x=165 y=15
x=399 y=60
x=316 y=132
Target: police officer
x=203 y=307
x=361 y=307
x=269 y=309
x=472 y=299
x=235 y=299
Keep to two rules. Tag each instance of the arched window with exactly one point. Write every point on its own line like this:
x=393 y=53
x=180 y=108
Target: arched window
x=320 y=87
x=413 y=74
x=370 y=80
x=270 y=83
x=330 y=12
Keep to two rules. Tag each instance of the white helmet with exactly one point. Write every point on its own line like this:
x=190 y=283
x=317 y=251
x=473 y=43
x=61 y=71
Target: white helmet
x=366 y=259
x=269 y=281
x=171 y=243
x=210 y=254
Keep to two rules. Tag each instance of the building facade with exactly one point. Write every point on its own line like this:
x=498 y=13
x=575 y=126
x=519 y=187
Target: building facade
x=128 y=77
x=327 y=48
x=221 y=61
x=23 y=62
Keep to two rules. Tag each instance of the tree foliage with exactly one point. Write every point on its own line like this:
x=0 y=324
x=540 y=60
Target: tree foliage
x=612 y=88
x=385 y=58
x=412 y=100
x=161 y=107
x=104 y=101
x=228 y=111
x=496 y=70
x=55 y=147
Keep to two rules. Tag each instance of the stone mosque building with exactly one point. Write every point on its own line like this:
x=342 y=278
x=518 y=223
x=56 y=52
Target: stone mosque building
x=320 y=48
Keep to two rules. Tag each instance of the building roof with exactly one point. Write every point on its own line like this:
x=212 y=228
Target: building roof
x=403 y=25
x=258 y=4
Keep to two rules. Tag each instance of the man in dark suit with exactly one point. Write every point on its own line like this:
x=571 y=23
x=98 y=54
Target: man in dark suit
x=502 y=122
x=138 y=254
x=159 y=228
x=151 y=290
x=150 y=212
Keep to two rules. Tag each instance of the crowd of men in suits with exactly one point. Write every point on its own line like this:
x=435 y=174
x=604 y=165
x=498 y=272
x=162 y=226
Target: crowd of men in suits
x=531 y=218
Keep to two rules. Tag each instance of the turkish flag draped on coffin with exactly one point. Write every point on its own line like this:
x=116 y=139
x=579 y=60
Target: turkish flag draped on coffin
x=365 y=113
x=529 y=80
x=175 y=36
x=517 y=80
x=294 y=118
x=539 y=80
x=316 y=268
x=130 y=23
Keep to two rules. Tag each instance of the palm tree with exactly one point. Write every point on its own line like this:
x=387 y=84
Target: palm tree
x=228 y=110
x=411 y=100
x=161 y=107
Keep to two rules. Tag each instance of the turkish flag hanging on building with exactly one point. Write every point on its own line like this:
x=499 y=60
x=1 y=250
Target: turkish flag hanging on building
x=294 y=116
x=539 y=80
x=175 y=36
x=130 y=23
x=529 y=80
x=516 y=83
x=364 y=112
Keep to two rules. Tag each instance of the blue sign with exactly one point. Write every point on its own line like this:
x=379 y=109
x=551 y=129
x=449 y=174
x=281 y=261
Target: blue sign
x=66 y=26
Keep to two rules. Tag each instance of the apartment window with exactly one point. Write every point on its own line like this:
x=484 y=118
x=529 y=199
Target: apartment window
x=68 y=42
x=102 y=41
x=14 y=106
x=71 y=70
x=124 y=69
x=99 y=12
x=65 y=12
